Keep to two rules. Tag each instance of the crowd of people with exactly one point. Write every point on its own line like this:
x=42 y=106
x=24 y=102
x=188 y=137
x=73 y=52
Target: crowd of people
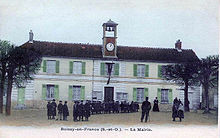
x=82 y=111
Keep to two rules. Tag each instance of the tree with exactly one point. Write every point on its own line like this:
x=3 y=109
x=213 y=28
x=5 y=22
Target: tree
x=22 y=64
x=208 y=75
x=183 y=74
x=5 y=48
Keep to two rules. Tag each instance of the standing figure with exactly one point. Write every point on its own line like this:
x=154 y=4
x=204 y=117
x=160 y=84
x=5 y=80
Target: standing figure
x=156 y=107
x=87 y=110
x=54 y=109
x=180 y=111
x=65 y=111
x=146 y=106
x=75 y=111
x=60 y=110
x=175 y=109
x=81 y=111
x=49 y=110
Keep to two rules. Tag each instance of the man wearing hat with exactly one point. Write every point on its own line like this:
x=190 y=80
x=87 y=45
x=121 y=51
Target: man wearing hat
x=60 y=110
x=65 y=111
x=146 y=106
x=75 y=111
x=54 y=107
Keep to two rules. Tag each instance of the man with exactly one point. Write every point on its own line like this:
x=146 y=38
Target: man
x=65 y=111
x=75 y=111
x=54 y=109
x=87 y=110
x=60 y=110
x=175 y=109
x=49 y=110
x=146 y=106
x=81 y=111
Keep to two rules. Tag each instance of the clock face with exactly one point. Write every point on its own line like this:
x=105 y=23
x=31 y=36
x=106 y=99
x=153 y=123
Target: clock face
x=110 y=47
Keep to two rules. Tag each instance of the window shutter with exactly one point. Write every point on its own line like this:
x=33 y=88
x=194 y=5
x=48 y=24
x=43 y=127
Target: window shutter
x=56 y=92
x=116 y=69
x=102 y=69
x=44 y=66
x=146 y=70
x=159 y=94
x=170 y=95
x=71 y=67
x=44 y=92
x=159 y=71
x=134 y=94
x=70 y=93
x=82 y=93
x=135 y=69
x=57 y=66
x=83 y=67
x=145 y=93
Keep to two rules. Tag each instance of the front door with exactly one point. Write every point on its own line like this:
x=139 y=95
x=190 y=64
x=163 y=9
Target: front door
x=21 y=96
x=109 y=94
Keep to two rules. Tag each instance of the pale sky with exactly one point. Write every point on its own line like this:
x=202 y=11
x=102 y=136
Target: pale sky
x=150 y=23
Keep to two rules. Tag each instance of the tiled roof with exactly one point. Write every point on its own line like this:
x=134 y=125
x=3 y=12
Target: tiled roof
x=78 y=50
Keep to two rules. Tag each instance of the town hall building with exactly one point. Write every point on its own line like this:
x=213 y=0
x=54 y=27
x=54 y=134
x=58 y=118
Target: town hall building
x=103 y=72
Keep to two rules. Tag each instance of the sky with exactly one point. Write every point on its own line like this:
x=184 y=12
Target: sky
x=144 y=23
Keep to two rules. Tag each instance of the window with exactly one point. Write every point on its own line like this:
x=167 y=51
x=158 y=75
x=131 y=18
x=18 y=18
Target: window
x=51 y=66
x=76 y=93
x=97 y=95
x=114 y=71
x=140 y=94
x=121 y=96
x=160 y=70
x=141 y=70
x=50 y=92
x=106 y=69
x=77 y=67
x=164 y=95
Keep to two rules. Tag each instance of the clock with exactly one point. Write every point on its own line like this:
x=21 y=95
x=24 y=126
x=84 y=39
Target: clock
x=110 y=46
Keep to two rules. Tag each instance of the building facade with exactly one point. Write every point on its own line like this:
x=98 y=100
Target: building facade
x=71 y=71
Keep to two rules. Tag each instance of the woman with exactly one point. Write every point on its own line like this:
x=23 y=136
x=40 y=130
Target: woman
x=180 y=111
x=156 y=107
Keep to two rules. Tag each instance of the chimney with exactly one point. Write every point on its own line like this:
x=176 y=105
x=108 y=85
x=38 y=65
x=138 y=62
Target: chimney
x=178 y=45
x=31 y=35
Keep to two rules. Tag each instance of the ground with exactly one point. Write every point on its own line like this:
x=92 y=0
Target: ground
x=37 y=119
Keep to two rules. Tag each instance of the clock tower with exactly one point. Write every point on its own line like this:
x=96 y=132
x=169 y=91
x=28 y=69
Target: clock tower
x=109 y=48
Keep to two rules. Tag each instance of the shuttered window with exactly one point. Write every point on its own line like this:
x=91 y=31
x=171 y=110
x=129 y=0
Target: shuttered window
x=141 y=70
x=104 y=69
x=50 y=92
x=77 y=67
x=78 y=93
x=51 y=66
x=164 y=95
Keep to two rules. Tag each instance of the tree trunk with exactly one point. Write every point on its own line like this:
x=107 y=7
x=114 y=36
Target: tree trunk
x=2 y=84
x=2 y=93
x=8 y=99
x=186 y=101
x=206 y=88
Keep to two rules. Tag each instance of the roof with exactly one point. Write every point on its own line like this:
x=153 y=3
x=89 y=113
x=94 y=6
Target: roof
x=110 y=23
x=78 y=50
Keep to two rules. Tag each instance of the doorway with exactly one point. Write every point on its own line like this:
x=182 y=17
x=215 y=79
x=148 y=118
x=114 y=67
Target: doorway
x=108 y=94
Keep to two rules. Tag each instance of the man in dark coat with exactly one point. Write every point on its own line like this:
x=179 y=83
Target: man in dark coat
x=87 y=110
x=49 y=110
x=54 y=109
x=65 y=111
x=175 y=108
x=81 y=111
x=146 y=106
x=75 y=111
x=156 y=107
x=60 y=110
